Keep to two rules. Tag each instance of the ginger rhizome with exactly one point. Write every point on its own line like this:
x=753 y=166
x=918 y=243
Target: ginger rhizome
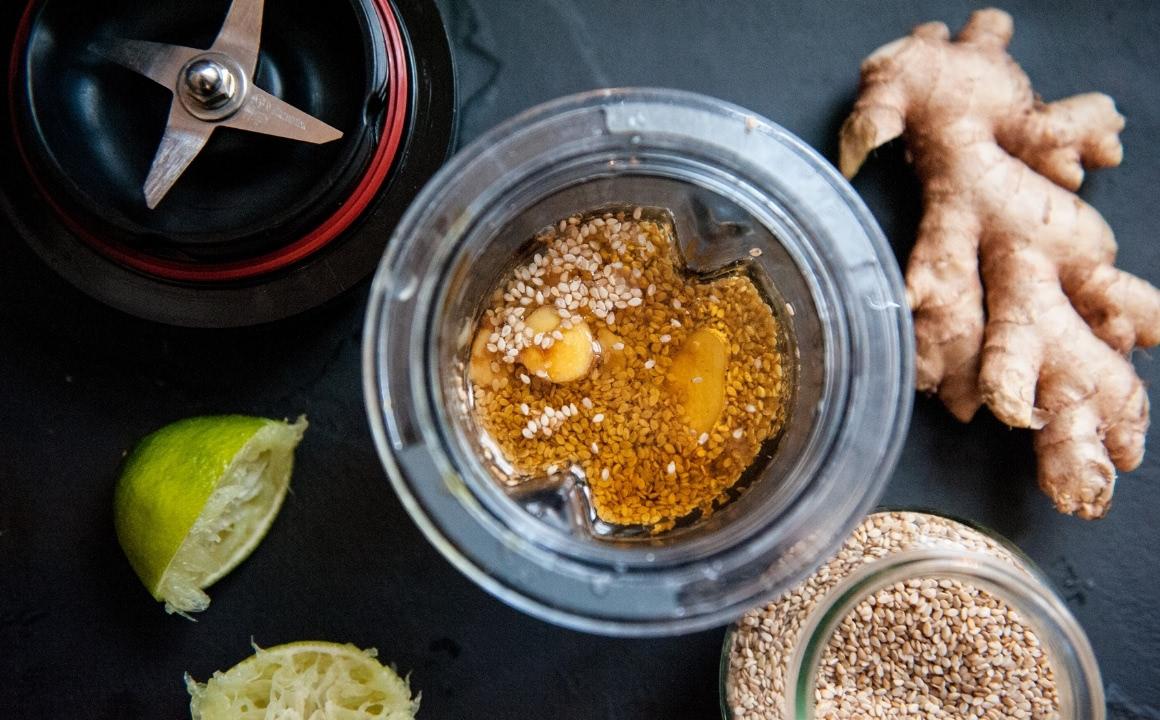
x=1002 y=226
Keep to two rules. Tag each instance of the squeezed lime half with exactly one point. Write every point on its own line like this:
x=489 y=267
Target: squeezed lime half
x=304 y=681
x=196 y=497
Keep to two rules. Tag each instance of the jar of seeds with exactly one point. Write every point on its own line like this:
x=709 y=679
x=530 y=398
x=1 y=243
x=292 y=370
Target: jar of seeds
x=917 y=616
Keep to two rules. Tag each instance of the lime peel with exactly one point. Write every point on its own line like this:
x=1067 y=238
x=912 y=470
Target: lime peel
x=304 y=681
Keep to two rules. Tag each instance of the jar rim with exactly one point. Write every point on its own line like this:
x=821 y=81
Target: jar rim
x=404 y=411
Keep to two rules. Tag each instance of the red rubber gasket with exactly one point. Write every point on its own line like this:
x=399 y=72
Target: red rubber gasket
x=365 y=191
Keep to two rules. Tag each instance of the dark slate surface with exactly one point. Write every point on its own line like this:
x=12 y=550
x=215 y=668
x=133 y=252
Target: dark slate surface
x=79 y=384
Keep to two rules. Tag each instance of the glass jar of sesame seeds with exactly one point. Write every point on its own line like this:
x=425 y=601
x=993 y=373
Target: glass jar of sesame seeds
x=916 y=616
x=801 y=296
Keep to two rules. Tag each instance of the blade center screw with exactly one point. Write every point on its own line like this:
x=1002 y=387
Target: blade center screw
x=212 y=86
x=210 y=83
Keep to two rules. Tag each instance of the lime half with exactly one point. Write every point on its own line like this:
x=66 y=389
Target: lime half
x=196 y=497
x=304 y=681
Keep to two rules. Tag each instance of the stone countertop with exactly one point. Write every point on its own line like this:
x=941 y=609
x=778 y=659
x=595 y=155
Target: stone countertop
x=80 y=638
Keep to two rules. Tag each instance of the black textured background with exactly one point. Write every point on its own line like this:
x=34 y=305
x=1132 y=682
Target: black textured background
x=79 y=384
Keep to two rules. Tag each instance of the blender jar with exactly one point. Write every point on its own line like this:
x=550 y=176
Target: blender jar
x=733 y=184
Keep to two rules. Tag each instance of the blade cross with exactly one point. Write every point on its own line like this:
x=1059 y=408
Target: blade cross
x=212 y=88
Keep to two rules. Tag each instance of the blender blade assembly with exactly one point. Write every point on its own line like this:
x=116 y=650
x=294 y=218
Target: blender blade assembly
x=211 y=88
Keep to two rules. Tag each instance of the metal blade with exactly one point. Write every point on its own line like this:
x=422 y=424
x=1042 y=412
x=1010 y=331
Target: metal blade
x=184 y=138
x=266 y=114
x=159 y=62
x=241 y=34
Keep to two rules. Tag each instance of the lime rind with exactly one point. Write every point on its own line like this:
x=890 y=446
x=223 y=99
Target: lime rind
x=236 y=516
x=304 y=681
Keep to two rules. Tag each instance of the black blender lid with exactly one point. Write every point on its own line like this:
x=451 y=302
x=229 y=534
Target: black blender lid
x=350 y=108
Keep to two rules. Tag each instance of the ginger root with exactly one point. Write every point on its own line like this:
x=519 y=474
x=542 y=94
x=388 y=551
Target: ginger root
x=998 y=167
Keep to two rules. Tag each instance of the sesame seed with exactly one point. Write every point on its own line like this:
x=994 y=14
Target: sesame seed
x=598 y=418
x=672 y=468
x=922 y=648
x=697 y=380
x=755 y=252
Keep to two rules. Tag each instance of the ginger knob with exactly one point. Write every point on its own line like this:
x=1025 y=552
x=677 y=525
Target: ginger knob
x=569 y=354
x=480 y=365
x=698 y=376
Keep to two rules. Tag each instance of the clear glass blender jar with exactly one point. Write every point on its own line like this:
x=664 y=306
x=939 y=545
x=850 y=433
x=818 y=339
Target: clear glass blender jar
x=731 y=181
